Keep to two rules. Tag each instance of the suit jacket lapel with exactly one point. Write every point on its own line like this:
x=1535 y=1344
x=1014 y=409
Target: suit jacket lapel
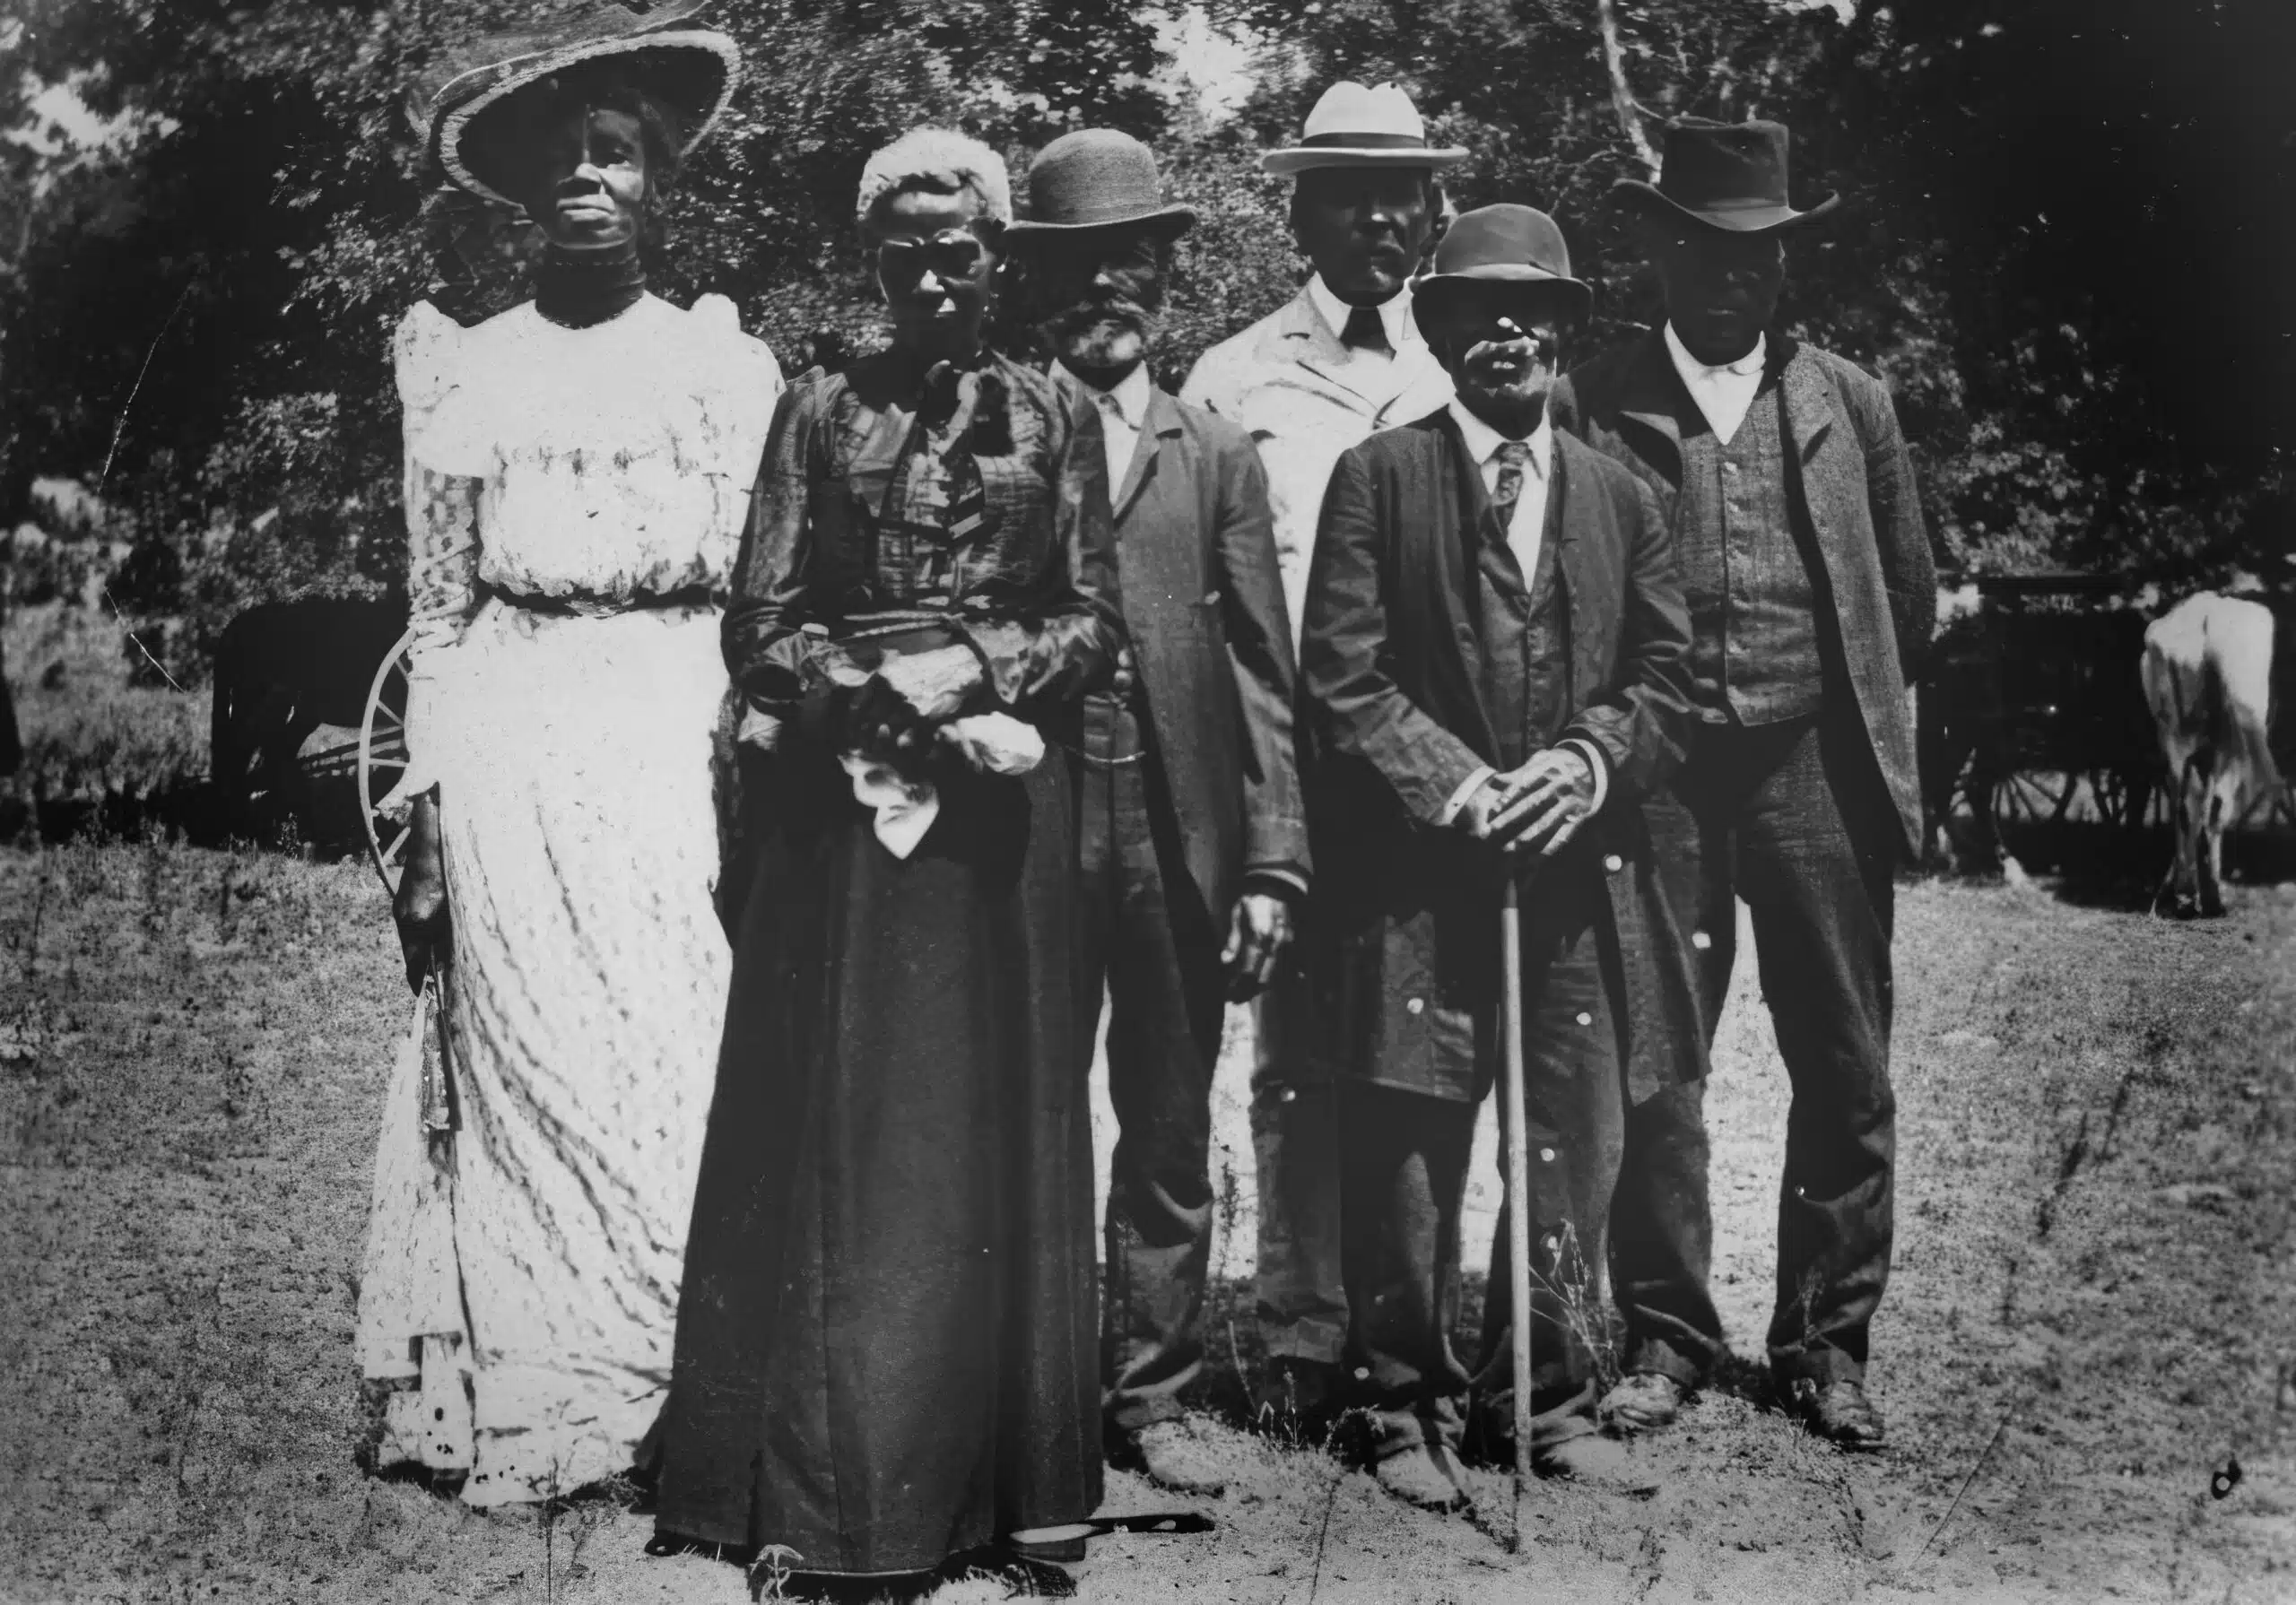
x=1654 y=395
x=1161 y=424
x=1455 y=558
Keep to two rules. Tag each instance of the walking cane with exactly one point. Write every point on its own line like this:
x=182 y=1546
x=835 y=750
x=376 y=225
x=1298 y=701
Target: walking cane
x=1518 y=1180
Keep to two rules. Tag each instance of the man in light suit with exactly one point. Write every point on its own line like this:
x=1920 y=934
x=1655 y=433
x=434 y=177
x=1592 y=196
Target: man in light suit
x=1342 y=357
x=1495 y=669
x=1192 y=842
x=1811 y=595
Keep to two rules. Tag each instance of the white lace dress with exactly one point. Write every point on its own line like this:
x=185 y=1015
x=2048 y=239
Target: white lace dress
x=570 y=492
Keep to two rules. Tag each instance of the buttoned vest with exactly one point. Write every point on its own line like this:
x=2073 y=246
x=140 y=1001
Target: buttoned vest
x=1742 y=533
x=1522 y=668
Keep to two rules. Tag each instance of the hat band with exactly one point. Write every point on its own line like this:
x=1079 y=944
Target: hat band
x=1725 y=203
x=1364 y=142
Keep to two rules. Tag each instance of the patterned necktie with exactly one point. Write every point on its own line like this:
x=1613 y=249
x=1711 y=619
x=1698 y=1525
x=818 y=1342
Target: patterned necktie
x=1511 y=455
x=1365 y=332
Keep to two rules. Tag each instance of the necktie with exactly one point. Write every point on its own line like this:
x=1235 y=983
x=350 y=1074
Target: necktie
x=1365 y=332
x=1511 y=455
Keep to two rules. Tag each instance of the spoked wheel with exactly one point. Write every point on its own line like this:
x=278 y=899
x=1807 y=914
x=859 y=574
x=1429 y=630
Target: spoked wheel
x=382 y=758
x=2024 y=797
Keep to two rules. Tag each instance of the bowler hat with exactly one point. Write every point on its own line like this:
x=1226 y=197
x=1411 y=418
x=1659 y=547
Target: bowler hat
x=1726 y=176
x=689 y=72
x=1355 y=127
x=1515 y=245
x=1096 y=178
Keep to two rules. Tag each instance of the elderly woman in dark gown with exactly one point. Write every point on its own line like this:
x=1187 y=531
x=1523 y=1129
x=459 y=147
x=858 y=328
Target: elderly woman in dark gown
x=886 y=1351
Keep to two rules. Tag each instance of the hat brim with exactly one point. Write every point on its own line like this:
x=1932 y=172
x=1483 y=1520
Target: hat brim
x=1433 y=289
x=1170 y=222
x=697 y=70
x=1733 y=220
x=1300 y=158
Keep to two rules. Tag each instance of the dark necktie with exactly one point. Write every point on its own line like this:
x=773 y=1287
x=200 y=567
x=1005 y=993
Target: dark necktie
x=1365 y=332
x=1511 y=455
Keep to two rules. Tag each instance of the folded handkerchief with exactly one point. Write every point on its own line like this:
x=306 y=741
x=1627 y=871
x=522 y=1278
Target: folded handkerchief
x=996 y=743
x=991 y=743
x=906 y=808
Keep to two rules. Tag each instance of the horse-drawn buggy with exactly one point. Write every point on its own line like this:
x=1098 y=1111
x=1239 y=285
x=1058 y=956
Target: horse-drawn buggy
x=2032 y=711
x=2036 y=715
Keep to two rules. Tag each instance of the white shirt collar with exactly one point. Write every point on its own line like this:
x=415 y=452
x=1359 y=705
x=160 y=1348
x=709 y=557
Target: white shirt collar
x=1483 y=440
x=1693 y=370
x=1130 y=393
x=1395 y=312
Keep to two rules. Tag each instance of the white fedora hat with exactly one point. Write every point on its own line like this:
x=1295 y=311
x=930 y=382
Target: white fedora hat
x=1355 y=127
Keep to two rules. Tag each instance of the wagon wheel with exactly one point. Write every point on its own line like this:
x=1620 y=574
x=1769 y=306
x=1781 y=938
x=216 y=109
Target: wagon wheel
x=2123 y=795
x=382 y=758
x=2020 y=798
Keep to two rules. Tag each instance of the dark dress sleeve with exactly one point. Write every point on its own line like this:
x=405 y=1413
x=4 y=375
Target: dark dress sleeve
x=1047 y=657
x=778 y=663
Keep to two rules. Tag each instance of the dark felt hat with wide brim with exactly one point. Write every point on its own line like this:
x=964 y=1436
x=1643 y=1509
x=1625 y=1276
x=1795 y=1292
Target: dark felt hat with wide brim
x=1730 y=177
x=1096 y=178
x=1506 y=246
x=689 y=72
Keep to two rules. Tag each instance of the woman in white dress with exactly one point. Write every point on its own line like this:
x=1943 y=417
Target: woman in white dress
x=577 y=479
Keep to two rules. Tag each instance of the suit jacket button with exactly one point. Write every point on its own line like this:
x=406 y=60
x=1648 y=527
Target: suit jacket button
x=1613 y=864
x=1585 y=1018
x=1416 y=1006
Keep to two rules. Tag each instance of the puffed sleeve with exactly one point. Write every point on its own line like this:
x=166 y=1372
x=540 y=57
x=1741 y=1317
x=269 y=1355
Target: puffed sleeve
x=744 y=384
x=1069 y=646
x=442 y=487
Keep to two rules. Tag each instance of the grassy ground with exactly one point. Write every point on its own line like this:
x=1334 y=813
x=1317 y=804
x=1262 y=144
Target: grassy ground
x=2091 y=1312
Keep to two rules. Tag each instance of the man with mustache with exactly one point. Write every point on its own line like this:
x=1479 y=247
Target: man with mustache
x=1342 y=357
x=1495 y=670
x=1812 y=595
x=1192 y=845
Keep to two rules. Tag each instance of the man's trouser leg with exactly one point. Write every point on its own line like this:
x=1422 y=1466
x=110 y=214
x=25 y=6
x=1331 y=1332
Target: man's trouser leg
x=1574 y=1106
x=1816 y=852
x=1662 y=1223
x=1150 y=938
x=1404 y=1166
x=1295 y=1116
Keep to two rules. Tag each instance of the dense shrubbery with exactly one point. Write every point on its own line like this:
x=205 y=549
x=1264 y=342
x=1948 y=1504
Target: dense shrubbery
x=2067 y=243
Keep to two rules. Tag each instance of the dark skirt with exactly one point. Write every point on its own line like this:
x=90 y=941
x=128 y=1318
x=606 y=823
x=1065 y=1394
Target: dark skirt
x=886 y=1336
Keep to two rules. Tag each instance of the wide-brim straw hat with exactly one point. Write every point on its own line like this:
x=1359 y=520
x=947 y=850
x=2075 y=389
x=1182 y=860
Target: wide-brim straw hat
x=1517 y=246
x=690 y=72
x=1354 y=125
x=1093 y=180
x=1730 y=177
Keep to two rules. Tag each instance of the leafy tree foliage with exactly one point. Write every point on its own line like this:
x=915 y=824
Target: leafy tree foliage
x=2069 y=239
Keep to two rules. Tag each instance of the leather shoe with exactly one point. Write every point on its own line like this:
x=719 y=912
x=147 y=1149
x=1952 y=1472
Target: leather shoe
x=1643 y=1402
x=1175 y=1458
x=1598 y=1463
x=1837 y=1411
x=1427 y=1475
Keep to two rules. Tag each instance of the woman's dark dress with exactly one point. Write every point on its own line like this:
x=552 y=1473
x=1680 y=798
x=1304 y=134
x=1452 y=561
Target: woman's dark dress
x=886 y=1340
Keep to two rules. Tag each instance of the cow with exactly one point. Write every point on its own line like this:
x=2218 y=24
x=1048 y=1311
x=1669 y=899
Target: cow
x=2207 y=674
x=283 y=668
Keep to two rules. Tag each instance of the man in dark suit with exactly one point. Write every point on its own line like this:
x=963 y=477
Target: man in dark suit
x=1812 y=594
x=1494 y=668
x=1191 y=836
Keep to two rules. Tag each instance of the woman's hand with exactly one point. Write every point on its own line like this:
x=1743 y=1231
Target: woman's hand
x=910 y=695
x=419 y=906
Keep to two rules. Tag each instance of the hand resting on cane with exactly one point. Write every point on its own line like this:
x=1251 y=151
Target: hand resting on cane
x=1537 y=808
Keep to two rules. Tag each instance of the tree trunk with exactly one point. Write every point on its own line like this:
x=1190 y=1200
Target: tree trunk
x=1630 y=115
